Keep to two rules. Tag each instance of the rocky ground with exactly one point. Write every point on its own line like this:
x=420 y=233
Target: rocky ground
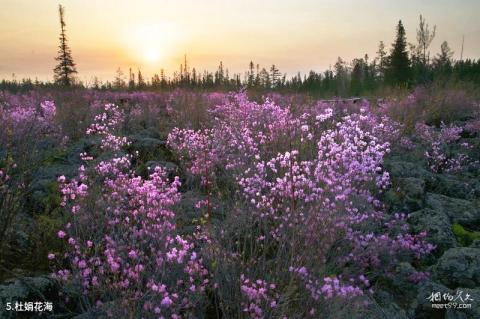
x=446 y=205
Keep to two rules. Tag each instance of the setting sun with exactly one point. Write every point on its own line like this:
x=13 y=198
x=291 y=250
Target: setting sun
x=151 y=43
x=152 y=55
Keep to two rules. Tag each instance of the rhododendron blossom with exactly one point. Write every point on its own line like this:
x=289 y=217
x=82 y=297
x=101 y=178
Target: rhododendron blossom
x=438 y=154
x=138 y=247
x=322 y=188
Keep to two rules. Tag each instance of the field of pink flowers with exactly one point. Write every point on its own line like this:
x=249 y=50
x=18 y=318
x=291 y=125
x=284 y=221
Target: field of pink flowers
x=212 y=205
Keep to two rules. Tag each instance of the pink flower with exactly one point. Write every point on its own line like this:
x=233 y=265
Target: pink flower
x=132 y=254
x=166 y=301
x=114 y=266
x=61 y=234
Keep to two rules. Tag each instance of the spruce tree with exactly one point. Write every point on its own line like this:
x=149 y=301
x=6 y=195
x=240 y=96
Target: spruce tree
x=275 y=75
x=140 y=81
x=399 y=71
x=251 y=74
x=119 y=81
x=382 y=60
x=131 y=79
x=443 y=61
x=265 y=79
x=341 y=77
x=358 y=76
x=65 y=69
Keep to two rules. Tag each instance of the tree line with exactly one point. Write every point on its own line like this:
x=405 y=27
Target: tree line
x=404 y=65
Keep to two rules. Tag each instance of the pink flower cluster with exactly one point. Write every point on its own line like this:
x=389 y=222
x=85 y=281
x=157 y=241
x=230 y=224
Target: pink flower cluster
x=29 y=114
x=384 y=249
x=439 y=156
x=331 y=286
x=48 y=109
x=123 y=246
x=309 y=182
x=105 y=125
x=473 y=126
x=244 y=130
x=260 y=296
x=195 y=148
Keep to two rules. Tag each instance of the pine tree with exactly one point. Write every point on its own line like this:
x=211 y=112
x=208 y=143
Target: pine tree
x=445 y=55
x=65 y=70
x=358 y=75
x=194 y=77
x=131 y=79
x=219 y=75
x=155 y=83
x=257 y=76
x=186 y=72
x=341 y=77
x=399 y=71
x=163 y=78
x=275 y=75
x=443 y=61
x=251 y=74
x=96 y=83
x=265 y=79
x=119 y=81
x=382 y=60
x=140 y=81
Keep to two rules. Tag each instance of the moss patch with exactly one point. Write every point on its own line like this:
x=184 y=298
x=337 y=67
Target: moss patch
x=464 y=237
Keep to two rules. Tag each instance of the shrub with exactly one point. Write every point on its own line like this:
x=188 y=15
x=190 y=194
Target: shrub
x=130 y=261
x=297 y=178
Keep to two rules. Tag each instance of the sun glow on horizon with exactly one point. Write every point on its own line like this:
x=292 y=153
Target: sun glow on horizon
x=296 y=36
x=152 y=55
x=151 y=43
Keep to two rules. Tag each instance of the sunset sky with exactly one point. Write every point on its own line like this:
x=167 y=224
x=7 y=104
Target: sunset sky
x=295 y=35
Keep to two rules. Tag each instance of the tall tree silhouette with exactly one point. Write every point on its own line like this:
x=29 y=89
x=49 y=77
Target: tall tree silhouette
x=140 y=80
x=382 y=60
x=445 y=55
x=131 y=79
x=265 y=79
x=399 y=71
x=443 y=61
x=419 y=54
x=359 y=70
x=424 y=39
x=251 y=74
x=341 y=77
x=220 y=74
x=275 y=76
x=65 y=69
x=119 y=81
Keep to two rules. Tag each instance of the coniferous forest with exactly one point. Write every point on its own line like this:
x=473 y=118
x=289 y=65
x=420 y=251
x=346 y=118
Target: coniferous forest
x=402 y=64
